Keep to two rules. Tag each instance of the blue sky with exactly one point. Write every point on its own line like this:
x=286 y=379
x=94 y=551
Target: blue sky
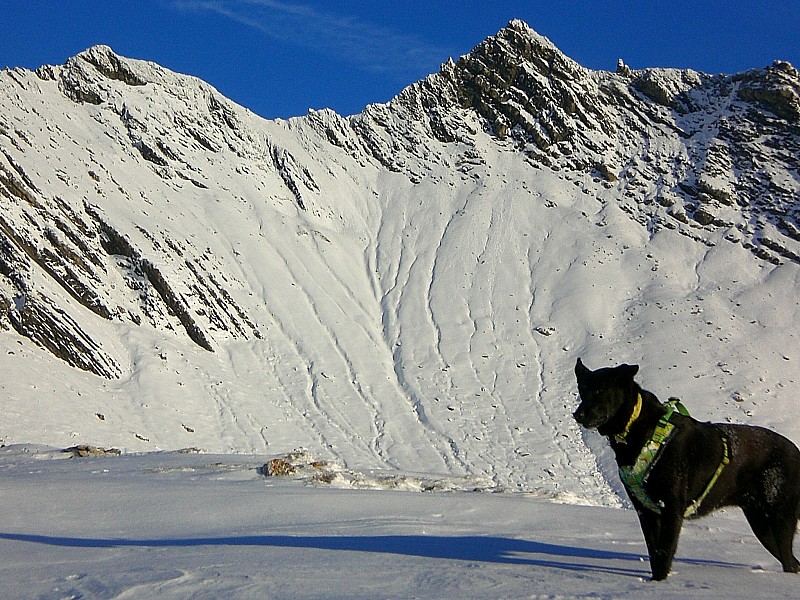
x=281 y=57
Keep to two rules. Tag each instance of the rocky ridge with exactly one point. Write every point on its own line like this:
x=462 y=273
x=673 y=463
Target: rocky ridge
x=677 y=148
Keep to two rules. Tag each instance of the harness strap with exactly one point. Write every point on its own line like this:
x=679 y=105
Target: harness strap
x=635 y=475
x=694 y=507
x=676 y=404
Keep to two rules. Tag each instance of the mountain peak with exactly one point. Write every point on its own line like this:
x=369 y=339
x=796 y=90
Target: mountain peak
x=507 y=75
x=81 y=77
x=519 y=30
x=712 y=132
x=518 y=41
x=111 y=65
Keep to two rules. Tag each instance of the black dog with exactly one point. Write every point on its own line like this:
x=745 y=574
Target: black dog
x=691 y=468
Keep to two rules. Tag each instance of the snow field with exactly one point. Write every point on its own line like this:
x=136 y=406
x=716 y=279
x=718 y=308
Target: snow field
x=187 y=525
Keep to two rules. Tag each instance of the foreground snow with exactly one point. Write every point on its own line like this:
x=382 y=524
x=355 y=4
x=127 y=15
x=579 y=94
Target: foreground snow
x=190 y=525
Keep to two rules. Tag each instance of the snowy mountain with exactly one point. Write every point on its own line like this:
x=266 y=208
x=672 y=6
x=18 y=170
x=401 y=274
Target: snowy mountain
x=403 y=289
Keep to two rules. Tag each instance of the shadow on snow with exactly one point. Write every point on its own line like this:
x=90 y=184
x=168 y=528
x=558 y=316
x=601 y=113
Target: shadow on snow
x=467 y=548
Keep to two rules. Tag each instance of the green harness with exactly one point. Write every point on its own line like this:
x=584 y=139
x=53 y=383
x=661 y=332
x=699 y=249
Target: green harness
x=635 y=476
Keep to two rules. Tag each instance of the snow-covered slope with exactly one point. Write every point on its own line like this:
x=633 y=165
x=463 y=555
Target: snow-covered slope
x=403 y=289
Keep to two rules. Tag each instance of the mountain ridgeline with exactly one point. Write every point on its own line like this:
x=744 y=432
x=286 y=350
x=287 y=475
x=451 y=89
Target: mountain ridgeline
x=393 y=254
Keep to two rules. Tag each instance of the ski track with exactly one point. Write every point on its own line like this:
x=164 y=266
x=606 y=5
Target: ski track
x=429 y=311
x=295 y=406
x=352 y=436
x=489 y=258
x=573 y=458
x=230 y=428
x=292 y=410
x=392 y=298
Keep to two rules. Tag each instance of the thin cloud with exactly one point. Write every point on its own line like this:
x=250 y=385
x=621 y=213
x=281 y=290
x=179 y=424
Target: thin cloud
x=365 y=45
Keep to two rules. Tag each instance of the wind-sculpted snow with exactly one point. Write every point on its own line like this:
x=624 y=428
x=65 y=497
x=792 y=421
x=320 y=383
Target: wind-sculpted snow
x=404 y=289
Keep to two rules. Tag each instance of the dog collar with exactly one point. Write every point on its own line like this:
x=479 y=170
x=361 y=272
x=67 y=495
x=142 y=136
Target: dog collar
x=620 y=437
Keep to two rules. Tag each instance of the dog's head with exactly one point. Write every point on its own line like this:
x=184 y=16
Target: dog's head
x=603 y=393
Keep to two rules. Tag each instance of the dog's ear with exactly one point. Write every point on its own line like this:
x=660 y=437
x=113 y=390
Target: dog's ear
x=580 y=369
x=628 y=371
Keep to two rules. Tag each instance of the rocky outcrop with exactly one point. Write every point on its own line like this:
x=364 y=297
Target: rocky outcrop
x=520 y=81
x=295 y=177
x=775 y=88
x=61 y=256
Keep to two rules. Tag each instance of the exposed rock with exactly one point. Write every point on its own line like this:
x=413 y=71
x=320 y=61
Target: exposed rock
x=116 y=244
x=52 y=328
x=85 y=450
x=519 y=79
x=279 y=467
x=718 y=193
x=704 y=216
x=111 y=66
x=664 y=86
x=297 y=462
x=776 y=88
x=293 y=175
x=607 y=172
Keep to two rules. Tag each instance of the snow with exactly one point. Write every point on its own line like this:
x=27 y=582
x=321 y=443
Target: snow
x=189 y=525
x=414 y=333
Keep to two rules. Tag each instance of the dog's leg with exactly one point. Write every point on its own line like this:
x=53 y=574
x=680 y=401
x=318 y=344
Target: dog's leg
x=776 y=535
x=784 y=529
x=661 y=533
